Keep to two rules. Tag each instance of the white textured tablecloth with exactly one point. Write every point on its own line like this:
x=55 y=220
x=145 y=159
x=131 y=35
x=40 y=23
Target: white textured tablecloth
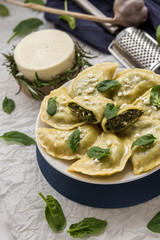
x=21 y=208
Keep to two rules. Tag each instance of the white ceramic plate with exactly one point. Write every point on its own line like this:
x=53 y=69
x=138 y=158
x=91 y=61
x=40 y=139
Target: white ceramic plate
x=61 y=165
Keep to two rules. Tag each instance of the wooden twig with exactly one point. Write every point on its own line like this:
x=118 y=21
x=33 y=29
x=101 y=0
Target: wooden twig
x=63 y=12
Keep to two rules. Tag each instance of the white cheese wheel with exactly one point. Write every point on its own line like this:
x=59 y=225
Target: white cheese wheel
x=47 y=52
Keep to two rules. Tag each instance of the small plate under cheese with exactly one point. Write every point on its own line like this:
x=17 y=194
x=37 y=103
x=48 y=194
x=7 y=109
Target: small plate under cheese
x=46 y=52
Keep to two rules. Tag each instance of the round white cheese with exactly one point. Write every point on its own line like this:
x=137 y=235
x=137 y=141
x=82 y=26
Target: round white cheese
x=47 y=52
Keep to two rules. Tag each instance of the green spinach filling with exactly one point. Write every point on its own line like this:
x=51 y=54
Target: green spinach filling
x=119 y=122
x=84 y=114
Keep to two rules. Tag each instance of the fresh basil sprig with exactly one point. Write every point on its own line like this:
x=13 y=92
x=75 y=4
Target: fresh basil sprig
x=74 y=140
x=54 y=213
x=25 y=27
x=52 y=106
x=111 y=110
x=3 y=10
x=158 y=34
x=70 y=20
x=154 y=223
x=107 y=84
x=18 y=137
x=155 y=96
x=8 y=105
x=40 y=2
x=88 y=226
x=144 y=141
x=97 y=152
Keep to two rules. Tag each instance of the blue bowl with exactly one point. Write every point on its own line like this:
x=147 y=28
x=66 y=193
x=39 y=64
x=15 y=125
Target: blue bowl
x=120 y=195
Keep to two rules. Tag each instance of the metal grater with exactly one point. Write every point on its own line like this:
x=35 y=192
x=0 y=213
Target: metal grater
x=134 y=48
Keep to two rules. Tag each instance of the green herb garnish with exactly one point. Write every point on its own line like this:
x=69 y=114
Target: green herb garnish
x=158 y=34
x=107 y=84
x=52 y=106
x=111 y=110
x=40 y=2
x=88 y=226
x=8 y=105
x=25 y=27
x=3 y=10
x=74 y=140
x=144 y=141
x=154 y=223
x=18 y=137
x=34 y=87
x=54 y=213
x=97 y=152
x=155 y=96
x=70 y=20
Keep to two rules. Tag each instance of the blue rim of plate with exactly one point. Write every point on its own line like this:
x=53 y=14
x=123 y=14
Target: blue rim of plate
x=97 y=195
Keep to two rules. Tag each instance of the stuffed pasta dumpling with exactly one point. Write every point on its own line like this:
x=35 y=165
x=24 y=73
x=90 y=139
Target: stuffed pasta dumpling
x=144 y=158
x=62 y=118
x=56 y=144
x=86 y=82
x=134 y=83
x=115 y=161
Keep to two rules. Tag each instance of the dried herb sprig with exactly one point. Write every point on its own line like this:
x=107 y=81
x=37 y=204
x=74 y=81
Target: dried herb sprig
x=34 y=87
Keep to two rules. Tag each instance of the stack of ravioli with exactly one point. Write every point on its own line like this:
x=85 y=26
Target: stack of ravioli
x=82 y=106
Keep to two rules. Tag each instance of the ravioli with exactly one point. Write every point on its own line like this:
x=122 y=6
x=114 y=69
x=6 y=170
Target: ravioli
x=144 y=158
x=134 y=83
x=108 y=165
x=55 y=141
x=125 y=116
x=63 y=119
x=89 y=109
x=149 y=110
x=86 y=82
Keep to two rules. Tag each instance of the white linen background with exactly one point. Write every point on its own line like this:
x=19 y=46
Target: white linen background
x=21 y=208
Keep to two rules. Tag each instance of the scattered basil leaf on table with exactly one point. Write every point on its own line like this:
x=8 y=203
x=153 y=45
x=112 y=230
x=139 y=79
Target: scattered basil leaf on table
x=144 y=141
x=18 y=137
x=88 y=226
x=97 y=152
x=8 y=105
x=107 y=84
x=54 y=213
x=158 y=34
x=74 y=140
x=154 y=223
x=111 y=110
x=70 y=20
x=155 y=96
x=25 y=27
x=40 y=2
x=52 y=106
x=3 y=10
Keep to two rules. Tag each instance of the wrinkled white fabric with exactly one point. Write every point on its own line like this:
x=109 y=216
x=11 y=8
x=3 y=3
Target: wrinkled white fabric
x=21 y=208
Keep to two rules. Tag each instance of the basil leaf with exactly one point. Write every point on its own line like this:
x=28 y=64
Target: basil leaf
x=18 y=137
x=158 y=34
x=25 y=27
x=3 y=10
x=88 y=226
x=70 y=20
x=155 y=96
x=74 y=140
x=97 y=152
x=52 y=106
x=8 y=105
x=144 y=141
x=107 y=84
x=154 y=223
x=40 y=2
x=111 y=110
x=54 y=213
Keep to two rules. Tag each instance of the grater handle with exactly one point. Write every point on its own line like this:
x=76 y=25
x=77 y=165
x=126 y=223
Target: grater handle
x=90 y=8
